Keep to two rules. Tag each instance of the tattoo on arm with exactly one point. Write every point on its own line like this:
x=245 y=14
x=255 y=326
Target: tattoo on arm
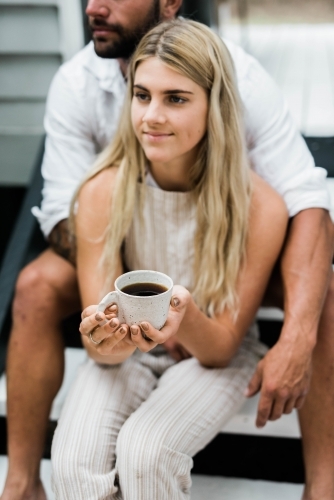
x=62 y=241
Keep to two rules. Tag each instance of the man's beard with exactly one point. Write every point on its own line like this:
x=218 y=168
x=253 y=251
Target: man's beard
x=128 y=40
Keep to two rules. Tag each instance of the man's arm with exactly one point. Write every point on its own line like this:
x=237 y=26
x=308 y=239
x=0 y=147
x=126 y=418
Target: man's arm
x=284 y=374
x=62 y=241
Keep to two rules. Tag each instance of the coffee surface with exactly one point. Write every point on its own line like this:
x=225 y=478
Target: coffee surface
x=144 y=289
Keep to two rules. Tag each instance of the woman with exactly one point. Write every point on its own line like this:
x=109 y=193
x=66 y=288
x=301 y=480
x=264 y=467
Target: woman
x=172 y=193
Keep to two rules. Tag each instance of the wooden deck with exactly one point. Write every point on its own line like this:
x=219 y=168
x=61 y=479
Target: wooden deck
x=300 y=58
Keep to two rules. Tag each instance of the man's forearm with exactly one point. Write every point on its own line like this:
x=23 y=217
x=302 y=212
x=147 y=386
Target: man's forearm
x=63 y=242
x=306 y=268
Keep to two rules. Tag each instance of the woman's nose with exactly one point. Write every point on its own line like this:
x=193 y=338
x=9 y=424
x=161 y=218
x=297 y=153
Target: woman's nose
x=154 y=113
x=98 y=8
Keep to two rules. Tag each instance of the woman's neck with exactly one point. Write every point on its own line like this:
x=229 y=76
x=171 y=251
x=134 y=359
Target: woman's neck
x=174 y=175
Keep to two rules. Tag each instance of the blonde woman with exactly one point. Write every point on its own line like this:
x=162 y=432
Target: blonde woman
x=173 y=193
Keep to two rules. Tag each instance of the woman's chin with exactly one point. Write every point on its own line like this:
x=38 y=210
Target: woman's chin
x=158 y=158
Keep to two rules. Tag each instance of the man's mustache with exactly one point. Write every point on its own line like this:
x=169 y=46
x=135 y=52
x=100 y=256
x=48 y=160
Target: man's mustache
x=97 y=23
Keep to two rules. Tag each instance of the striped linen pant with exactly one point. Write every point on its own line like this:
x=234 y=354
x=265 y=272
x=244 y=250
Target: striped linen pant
x=129 y=431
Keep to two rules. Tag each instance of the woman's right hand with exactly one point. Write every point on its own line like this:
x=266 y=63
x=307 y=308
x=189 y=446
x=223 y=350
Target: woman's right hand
x=104 y=333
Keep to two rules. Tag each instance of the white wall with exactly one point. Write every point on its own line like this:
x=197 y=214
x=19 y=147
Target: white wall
x=36 y=36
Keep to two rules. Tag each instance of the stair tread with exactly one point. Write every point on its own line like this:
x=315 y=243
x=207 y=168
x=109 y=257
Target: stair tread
x=242 y=423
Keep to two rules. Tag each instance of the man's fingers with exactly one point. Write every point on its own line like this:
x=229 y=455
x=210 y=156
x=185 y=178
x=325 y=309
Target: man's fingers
x=255 y=383
x=299 y=402
x=264 y=410
x=289 y=405
x=277 y=409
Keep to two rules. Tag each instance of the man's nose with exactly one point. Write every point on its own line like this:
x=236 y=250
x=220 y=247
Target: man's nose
x=97 y=8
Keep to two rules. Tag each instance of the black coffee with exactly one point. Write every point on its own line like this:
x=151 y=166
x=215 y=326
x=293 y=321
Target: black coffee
x=144 y=289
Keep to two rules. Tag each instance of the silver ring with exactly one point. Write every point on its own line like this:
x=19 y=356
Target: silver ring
x=91 y=337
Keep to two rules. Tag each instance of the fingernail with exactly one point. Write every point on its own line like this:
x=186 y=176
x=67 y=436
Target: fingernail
x=98 y=317
x=144 y=326
x=134 y=331
x=113 y=322
x=175 y=301
x=122 y=330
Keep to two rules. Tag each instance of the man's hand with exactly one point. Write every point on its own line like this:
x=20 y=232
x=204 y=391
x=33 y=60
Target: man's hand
x=283 y=376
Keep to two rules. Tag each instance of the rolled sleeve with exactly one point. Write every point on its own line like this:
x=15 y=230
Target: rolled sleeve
x=277 y=152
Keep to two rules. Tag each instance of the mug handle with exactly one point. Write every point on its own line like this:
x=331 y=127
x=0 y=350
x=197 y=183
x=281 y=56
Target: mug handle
x=110 y=298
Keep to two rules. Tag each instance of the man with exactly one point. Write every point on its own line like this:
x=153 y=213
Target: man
x=83 y=108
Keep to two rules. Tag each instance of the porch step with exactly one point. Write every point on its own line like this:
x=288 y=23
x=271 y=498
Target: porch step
x=212 y=487
x=242 y=423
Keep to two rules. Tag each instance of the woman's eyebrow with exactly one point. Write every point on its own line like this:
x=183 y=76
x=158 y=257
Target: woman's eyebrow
x=172 y=91
x=140 y=87
x=177 y=91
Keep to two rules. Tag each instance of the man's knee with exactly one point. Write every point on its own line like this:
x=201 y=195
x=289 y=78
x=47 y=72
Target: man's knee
x=45 y=285
x=32 y=286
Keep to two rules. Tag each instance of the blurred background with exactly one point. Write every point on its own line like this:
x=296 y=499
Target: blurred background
x=284 y=11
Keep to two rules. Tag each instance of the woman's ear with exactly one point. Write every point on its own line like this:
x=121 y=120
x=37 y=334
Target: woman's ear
x=169 y=8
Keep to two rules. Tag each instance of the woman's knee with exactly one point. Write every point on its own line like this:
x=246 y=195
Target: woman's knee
x=145 y=448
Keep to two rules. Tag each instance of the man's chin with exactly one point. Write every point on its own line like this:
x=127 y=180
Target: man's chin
x=103 y=49
x=107 y=50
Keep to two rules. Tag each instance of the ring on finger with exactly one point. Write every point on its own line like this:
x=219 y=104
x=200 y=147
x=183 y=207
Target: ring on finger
x=96 y=342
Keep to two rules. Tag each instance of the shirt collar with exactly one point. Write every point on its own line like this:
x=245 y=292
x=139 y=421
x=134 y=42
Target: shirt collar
x=106 y=71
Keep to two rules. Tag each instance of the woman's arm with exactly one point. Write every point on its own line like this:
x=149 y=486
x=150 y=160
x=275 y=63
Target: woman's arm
x=215 y=341
x=91 y=222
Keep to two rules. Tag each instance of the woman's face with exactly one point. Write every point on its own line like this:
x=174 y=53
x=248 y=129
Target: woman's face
x=169 y=113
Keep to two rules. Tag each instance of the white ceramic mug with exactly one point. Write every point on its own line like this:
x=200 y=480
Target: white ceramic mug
x=133 y=309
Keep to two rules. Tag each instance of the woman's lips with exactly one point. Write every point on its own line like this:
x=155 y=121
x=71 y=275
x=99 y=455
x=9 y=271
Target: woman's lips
x=156 y=136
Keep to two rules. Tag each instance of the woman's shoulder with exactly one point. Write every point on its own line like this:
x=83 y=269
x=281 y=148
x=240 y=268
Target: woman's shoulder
x=265 y=195
x=100 y=185
x=267 y=206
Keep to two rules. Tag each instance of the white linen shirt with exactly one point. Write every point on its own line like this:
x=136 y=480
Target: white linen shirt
x=84 y=105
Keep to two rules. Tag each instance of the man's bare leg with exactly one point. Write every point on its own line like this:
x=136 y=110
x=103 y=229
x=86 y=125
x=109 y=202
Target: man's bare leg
x=46 y=293
x=317 y=414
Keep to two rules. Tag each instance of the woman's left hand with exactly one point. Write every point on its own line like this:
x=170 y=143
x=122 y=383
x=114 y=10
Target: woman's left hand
x=145 y=337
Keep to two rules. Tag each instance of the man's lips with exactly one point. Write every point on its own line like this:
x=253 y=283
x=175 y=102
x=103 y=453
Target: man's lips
x=105 y=29
x=102 y=31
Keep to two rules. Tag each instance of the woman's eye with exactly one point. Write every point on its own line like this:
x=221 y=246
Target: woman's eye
x=141 y=97
x=175 y=99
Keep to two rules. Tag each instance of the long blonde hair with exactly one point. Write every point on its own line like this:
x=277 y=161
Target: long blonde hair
x=220 y=177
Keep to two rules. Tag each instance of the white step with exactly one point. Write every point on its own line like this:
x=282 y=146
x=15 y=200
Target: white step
x=242 y=423
x=211 y=487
